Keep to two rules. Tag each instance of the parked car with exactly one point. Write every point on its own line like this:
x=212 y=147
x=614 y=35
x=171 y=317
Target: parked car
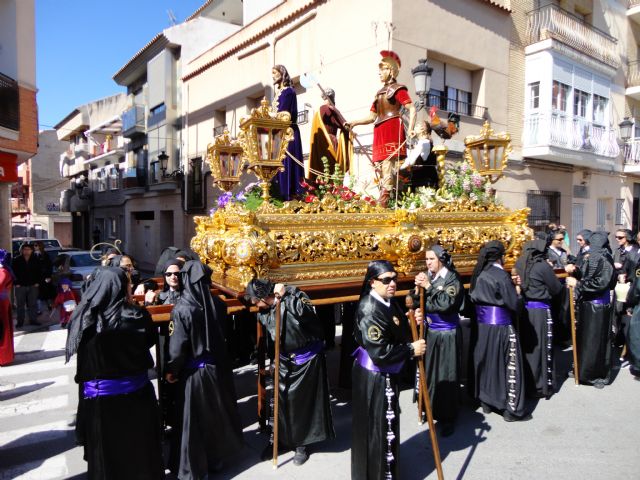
x=75 y=265
x=17 y=242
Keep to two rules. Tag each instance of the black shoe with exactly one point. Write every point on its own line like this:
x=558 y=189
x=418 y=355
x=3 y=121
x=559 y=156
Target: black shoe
x=216 y=467
x=485 y=408
x=20 y=324
x=599 y=384
x=267 y=453
x=301 y=456
x=510 y=417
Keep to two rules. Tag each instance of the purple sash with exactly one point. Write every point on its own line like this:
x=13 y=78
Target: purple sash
x=364 y=360
x=493 y=315
x=302 y=355
x=200 y=361
x=115 y=386
x=536 y=304
x=442 y=322
x=604 y=299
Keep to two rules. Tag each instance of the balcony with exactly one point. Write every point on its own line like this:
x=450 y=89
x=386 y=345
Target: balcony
x=555 y=24
x=567 y=139
x=110 y=151
x=633 y=10
x=631 y=153
x=19 y=206
x=451 y=105
x=633 y=79
x=133 y=121
x=10 y=101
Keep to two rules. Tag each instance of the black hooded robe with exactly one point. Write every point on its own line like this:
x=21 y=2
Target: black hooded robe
x=304 y=408
x=211 y=428
x=595 y=312
x=120 y=433
x=539 y=288
x=442 y=359
x=386 y=342
x=499 y=376
x=633 y=334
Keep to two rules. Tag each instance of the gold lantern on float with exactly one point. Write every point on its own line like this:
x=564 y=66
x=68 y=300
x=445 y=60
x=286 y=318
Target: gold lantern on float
x=225 y=159
x=487 y=153
x=264 y=137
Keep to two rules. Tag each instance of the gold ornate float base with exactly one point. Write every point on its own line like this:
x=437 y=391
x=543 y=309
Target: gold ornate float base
x=328 y=243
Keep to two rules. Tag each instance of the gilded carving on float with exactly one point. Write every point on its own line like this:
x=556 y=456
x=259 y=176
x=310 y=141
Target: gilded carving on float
x=331 y=240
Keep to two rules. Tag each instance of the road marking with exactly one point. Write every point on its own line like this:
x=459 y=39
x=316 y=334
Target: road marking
x=33 y=406
x=21 y=437
x=51 y=468
x=38 y=366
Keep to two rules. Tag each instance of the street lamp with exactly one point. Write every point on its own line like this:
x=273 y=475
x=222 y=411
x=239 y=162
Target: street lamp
x=422 y=81
x=626 y=129
x=163 y=158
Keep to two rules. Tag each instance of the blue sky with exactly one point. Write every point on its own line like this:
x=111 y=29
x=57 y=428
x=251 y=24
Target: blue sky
x=81 y=44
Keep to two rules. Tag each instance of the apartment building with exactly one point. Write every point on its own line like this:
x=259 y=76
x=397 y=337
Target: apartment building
x=161 y=189
x=571 y=62
x=18 y=109
x=94 y=167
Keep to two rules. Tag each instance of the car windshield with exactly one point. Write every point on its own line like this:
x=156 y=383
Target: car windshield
x=83 y=260
x=49 y=242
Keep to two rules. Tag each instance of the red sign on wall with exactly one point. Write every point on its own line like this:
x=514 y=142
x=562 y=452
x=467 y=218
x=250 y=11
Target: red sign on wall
x=8 y=167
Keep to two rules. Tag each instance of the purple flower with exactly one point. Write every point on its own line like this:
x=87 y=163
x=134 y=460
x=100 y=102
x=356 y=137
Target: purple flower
x=476 y=179
x=224 y=199
x=464 y=167
x=240 y=197
x=466 y=185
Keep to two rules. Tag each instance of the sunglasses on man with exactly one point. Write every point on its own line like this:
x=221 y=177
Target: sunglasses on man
x=387 y=280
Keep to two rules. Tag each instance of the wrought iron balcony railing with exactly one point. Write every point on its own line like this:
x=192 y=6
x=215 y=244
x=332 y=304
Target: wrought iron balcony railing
x=633 y=72
x=552 y=21
x=451 y=105
x=9 y=103
x=566 y=131
x=631 y=152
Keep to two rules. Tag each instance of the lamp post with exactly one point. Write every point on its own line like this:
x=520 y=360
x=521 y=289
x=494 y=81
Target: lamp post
x=626 y=133
x=163 y=158
x=422 y=81
x=264 y=137
x=487 y=153
x=225 y=158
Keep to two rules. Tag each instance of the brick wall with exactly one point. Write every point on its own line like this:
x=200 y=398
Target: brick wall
x=28 y=140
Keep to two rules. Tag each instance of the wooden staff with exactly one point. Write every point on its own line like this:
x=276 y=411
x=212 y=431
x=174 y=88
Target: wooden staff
x=420 y=401
x=276 y=385
x=427 y=402
x=572 y=310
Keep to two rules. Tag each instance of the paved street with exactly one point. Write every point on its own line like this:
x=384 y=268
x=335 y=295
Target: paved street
x=580 y=433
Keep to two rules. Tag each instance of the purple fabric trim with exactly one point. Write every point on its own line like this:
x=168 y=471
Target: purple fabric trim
x=302 y=355
x=443 y=322
x=115 y=386
x=537 y=304
x=604 y=299
x=200 y=362
x=493 y=315
x=364 y=360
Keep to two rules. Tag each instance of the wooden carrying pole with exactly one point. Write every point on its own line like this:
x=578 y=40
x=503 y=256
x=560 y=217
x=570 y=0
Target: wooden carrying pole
x=276 y=385
x=421 y=332
x=427 y=403
x=572 y=310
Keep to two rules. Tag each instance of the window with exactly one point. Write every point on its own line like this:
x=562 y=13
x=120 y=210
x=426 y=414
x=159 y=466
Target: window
x=101 y=181
x=437 y=98
x=534 y=95
x=157 y=114
x=458 y=101
x=154 y=168
x=599 y=108
x=601 y=213
x=196 y=185
x=114 y=178
x=545 y=208
x=580 y=102
x=559 y=96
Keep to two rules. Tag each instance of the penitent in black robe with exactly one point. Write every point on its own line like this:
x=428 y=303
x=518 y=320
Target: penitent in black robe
x=593 y=328
x=211 y=428
x=499 y=379
x=304 y=409
x=120 y=433
x=442 y=359
x=633 y=335
x=536 y=329
x=383 y=332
